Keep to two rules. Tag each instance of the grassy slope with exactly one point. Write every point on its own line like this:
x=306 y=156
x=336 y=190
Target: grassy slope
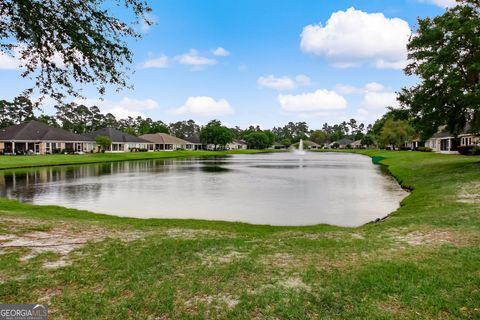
x=422 y=262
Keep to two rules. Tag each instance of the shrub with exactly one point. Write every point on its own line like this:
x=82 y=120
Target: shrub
x=424 y=149
x=465 y=150
x=104 y=142
x=476 y=150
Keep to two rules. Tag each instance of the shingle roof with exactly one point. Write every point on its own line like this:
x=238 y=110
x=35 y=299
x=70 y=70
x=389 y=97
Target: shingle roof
x=344 y=142
x=242 y=142
x=115 y=135
x=357 y=143
x=163 y=138
x=193 y=139
x=38 y=131
x=443 y=134
x=310 y=143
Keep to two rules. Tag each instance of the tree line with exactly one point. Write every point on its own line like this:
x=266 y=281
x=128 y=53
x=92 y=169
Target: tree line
x=80 y=119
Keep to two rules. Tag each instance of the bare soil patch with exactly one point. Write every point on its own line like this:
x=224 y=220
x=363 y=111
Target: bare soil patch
x=210 y=258
x=469 y=193
x=434 y=237
x=61 y=239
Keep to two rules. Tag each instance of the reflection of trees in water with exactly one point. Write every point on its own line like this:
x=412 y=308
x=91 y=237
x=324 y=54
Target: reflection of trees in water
x=75 y=183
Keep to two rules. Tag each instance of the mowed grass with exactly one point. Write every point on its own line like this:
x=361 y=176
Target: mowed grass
x=423 y=262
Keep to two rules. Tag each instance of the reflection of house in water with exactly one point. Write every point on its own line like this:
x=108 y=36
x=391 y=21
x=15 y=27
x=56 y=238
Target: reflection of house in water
x=25 y=185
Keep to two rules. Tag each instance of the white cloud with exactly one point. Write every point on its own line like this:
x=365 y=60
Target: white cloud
x=204 y=106
x=374 y=86
x=9 y=63
x=123 y=108
x=369 y=87
x=160 y=62
x=195 y=60
x=348 y=89
x=283 y=83
x=442 y=3
x=378 y=100
x=377 y=97
x=320 y=101
x=303 y=80
x=353 y=37
x=220 y=52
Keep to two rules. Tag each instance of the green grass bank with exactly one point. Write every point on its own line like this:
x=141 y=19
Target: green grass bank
x=422 y=262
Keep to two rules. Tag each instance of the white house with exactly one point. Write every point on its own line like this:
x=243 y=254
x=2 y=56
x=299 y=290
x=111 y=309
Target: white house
x=443 y=141
x=166 y=142
x=121 y=141
x=469 y=139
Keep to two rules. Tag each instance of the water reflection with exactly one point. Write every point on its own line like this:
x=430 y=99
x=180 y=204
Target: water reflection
x=278 y=189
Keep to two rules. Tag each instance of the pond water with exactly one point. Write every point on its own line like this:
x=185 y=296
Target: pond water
x=278 y=189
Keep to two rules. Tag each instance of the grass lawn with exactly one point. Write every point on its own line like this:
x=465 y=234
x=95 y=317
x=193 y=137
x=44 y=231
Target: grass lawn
x=423 y=262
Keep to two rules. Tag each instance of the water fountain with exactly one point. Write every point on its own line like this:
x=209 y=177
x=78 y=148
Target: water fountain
x=300 y=150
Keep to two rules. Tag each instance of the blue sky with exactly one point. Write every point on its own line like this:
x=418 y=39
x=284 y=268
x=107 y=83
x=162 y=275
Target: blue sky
x=263 y=62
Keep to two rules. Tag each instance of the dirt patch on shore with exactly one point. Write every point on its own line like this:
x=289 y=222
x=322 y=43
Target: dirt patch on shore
x=61 y=239
x=211 y=259
x=191 y=234
x=434 y=237
x=469 y=193
x=219 y=302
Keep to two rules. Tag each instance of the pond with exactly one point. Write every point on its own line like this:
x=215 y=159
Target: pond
x=277 y=188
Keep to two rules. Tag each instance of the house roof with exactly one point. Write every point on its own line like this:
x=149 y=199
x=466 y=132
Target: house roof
x=115 y=135
x=308 y=143
x=344 y=142
x=443 y=134
x=239 y=142
x=357 y=143
x=163 y=138
x=38 y=131
x=193 y=139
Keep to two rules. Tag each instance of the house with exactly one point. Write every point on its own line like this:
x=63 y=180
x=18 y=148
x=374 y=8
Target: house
x=166 y=142
x=357 y=144
x=341 y=144
x=121 y=141
x=443 y=141
x=311 y=145
x=195 y=141
x=237 y=145
x=415 y=144
x=469 y=138
x=35 y=137
x=234 y=145
x=277 y=146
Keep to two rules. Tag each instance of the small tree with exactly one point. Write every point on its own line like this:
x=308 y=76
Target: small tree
x=104 y=142
x=367 y=140
x=287 y=142
x=257 y=140
x=216 y=134
x=395 y=133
